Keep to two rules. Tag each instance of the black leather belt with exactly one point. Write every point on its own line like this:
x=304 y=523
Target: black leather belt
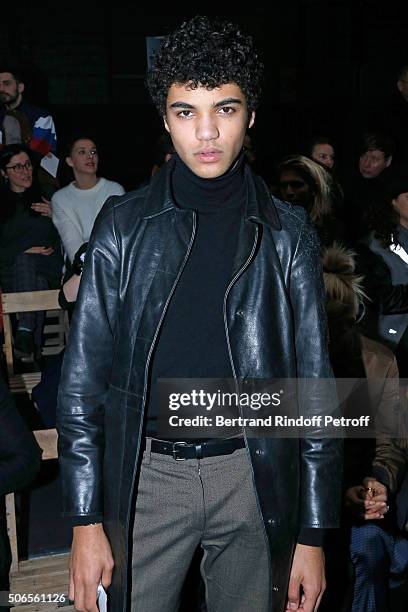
x=186 y=450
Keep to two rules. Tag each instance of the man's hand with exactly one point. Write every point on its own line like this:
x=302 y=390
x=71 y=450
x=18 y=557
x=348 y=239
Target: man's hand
x=368 y=501
x=307 y=580
x=91 y=563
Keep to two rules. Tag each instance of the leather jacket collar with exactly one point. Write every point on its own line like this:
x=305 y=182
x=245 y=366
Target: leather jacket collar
x=160 y=199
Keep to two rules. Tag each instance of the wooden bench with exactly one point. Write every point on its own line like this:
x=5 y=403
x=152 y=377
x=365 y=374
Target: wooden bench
x=55 y=333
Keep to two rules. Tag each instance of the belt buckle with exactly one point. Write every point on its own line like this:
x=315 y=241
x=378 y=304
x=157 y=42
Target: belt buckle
x=175 y=450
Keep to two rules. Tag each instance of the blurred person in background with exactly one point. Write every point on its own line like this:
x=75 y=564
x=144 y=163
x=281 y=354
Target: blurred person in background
x=383 y=261
x=374 y=519
x=303 y=182
x=321 y=150
x=76 y=206
x=365 y=187
x=20 y=459
x=30 y=251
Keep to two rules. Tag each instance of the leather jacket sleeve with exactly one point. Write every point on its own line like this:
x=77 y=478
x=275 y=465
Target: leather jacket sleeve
x=85 y=374
x=321 y=457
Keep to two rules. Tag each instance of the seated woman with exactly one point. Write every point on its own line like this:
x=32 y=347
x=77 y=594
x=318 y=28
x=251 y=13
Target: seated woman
x=383 y=260
x=76 y=206
x=371 y=535
x=30 y=251
x=303 y=182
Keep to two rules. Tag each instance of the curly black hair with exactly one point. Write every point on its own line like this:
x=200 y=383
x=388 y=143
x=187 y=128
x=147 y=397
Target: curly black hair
x=209 y=53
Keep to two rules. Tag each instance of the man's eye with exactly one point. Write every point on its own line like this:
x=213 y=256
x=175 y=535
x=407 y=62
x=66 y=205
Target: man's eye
x=184 y=113
x=227 y=110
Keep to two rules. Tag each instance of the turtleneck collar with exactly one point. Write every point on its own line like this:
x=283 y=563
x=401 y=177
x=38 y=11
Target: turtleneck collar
x=209 y=195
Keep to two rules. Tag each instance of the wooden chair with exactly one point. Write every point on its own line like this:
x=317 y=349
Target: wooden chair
x=41 y=575
x=55 y=333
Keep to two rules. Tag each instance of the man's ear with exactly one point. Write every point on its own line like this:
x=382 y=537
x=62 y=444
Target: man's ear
x=251 y=119
x=20 y=88
x=69 y=161
x=166 y=125
x=400 y=86
x=388 y=161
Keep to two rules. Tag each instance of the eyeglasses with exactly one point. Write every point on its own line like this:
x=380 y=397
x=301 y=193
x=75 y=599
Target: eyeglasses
x=19 y=168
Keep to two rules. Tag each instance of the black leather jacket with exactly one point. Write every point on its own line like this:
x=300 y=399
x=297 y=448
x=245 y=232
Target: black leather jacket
x=137 y=251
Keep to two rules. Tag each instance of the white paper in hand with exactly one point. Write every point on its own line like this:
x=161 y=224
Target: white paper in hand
x=101 y=598
x=50 y=164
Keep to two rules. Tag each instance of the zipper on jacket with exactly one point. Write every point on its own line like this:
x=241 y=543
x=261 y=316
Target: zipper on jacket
x=190 y=246
x=238 y=274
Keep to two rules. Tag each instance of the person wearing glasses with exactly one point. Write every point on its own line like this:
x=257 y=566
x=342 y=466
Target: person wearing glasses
x=76 y=206
x=30 y=252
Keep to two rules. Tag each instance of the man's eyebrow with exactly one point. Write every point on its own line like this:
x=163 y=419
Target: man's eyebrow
x=228 y=101
x=181 y=104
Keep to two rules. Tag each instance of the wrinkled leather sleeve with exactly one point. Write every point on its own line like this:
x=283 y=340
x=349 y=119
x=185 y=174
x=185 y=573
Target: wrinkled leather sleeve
x=321 y=458
x=86 y=372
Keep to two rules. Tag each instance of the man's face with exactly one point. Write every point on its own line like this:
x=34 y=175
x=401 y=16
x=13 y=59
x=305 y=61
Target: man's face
x=207 y=127
x=372 y=163
x=10 y=90
x=402 y=85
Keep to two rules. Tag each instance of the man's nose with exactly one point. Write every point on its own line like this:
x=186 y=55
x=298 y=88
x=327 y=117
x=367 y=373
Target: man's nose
x=207 y=129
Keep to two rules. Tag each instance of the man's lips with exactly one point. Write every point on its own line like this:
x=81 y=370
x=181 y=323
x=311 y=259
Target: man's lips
x=208 y=155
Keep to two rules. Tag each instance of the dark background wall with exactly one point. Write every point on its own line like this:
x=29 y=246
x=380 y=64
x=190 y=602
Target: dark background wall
x=331 y=67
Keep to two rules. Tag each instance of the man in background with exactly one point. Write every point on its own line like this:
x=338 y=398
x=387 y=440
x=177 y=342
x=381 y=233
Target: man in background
x=20 y=121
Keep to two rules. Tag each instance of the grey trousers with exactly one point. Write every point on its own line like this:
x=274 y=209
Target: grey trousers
x=209 y=502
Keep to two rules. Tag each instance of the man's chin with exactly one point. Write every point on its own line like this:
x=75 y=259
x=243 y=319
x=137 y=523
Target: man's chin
x=209 y=170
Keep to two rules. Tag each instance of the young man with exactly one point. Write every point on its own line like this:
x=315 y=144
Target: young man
x=199 y=275
x=20 y=121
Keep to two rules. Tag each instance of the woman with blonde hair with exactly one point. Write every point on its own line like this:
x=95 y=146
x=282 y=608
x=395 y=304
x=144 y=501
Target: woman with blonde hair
x=303 y=182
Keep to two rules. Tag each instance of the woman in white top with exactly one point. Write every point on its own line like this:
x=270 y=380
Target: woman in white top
x=76 y=206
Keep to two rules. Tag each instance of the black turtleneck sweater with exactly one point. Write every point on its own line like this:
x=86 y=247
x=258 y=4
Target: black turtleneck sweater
x=192 y=341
